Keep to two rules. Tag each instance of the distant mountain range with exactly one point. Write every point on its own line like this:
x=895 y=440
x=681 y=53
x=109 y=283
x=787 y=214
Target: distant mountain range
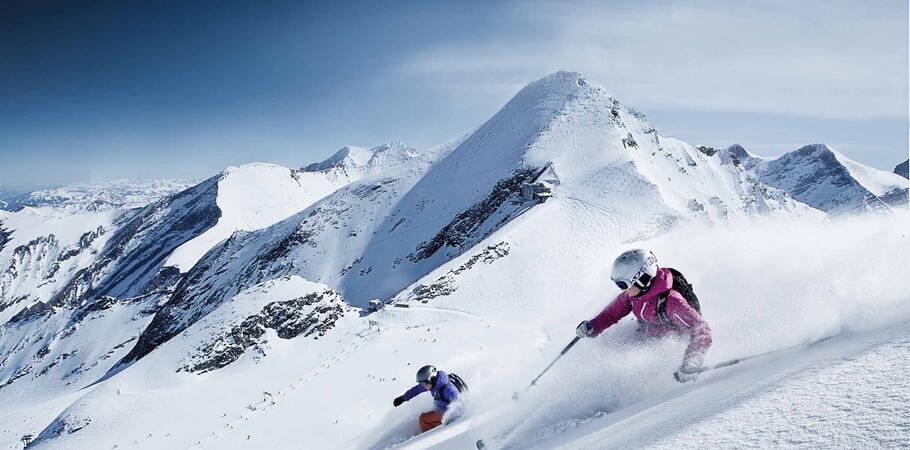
x=91 y=197
x=825 y=179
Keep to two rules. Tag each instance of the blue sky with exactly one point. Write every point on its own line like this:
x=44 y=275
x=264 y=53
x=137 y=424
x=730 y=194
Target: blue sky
x=101 y=90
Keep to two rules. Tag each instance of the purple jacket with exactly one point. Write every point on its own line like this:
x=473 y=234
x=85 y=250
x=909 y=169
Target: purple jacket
x=444 y=391
x=684 y=319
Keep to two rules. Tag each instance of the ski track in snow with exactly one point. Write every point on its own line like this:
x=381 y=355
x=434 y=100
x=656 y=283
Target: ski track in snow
x=851 y=392
x=236 y=426
x=837 y=409
x=264 y=406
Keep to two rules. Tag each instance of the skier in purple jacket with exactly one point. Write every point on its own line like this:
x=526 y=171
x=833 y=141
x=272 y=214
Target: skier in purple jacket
x=444 y=391
x=649 y=294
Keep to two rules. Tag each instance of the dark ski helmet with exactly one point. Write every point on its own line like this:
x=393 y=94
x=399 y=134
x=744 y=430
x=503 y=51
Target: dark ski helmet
x=426 y=374
x=636 y=266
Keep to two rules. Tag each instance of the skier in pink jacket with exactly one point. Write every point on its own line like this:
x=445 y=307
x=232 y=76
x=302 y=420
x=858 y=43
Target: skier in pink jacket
x=649 y=292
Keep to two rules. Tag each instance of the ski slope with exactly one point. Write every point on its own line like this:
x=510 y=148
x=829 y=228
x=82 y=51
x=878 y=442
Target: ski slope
x=605 y=392
x=815 y=395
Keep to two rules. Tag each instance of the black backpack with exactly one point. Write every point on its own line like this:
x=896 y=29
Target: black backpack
x=458 y=382
x=681 y=285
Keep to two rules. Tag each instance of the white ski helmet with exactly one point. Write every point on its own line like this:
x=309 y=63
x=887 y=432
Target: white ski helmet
x=426 y=374
x=636 y=266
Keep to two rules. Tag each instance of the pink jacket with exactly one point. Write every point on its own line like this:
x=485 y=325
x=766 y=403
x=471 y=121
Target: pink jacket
x=684 y=319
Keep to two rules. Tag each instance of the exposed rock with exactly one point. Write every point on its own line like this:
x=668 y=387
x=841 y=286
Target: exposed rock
x=135 y=254
x=30 y=312
x=445 y=284
x=67 y=424
x=56 y=361
x=31 y=259
x=463 y=229
x=85 y=241
x=900 y=169
x=310 y=315
x=100 y=304
x=5 y=236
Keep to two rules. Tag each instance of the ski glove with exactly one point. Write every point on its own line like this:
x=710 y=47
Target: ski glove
x=686 y=372
x=585 y=329
x=398 y=401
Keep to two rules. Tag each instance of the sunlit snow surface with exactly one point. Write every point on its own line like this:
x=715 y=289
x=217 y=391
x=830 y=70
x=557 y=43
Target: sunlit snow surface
x=764 y=286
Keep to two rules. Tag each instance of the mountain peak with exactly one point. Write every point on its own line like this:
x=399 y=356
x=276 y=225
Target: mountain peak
x=738 y=150
x=358 y=157
x=254 y=166
x=825 y=179
x=556 y=86
x=814 y=149
x=563 y=80
x=902 y=169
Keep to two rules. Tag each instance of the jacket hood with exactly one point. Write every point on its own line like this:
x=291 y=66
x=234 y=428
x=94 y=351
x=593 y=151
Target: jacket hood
x=442 y=379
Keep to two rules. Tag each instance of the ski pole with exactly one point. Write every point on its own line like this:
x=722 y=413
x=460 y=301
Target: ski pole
x=726 y=363
x=563 y=352
x=746 y=358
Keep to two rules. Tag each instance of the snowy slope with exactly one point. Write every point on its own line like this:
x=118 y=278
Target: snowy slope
x=602 y=393
x=254 y=196
x=87 y=321
x=817 y=397
x=41 y=249
x=56 y=285
x=108 y=285
x=341 y=222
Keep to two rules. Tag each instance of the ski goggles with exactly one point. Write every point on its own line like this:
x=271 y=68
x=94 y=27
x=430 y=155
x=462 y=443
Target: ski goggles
x=622 y=284
x=642 y=278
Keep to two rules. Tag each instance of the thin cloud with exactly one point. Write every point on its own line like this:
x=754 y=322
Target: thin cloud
x=826 y=60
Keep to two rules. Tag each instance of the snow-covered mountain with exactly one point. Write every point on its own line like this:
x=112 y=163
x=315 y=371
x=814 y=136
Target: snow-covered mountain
x=358 y=162
x=43 y=250
x=373 y=238
x=253 y=280
x=824 y=178
x=10 y=196
x=95 y=197
x=133 y=258
x=255 y=196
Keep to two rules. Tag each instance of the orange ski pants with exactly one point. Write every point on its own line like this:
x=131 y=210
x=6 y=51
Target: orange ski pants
x=430 y=420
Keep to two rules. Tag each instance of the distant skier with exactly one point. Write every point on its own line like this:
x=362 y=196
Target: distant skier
x=663 y=302
x=446 y=389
